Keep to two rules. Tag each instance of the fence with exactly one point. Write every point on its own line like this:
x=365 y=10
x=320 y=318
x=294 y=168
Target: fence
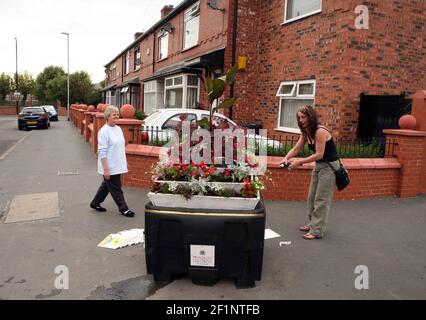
x=278 y=146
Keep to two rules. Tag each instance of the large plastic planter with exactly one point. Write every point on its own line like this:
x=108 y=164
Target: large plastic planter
x=205 y=244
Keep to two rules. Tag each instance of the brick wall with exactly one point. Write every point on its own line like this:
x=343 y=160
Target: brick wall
x=369 y=177
x=388 y=58
x=8 y=110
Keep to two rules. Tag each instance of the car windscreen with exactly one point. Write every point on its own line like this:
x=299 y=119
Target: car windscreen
x=32 y=110
x=150 y=119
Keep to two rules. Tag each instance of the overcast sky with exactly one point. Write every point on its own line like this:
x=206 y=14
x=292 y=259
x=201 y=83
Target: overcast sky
x=99 y=30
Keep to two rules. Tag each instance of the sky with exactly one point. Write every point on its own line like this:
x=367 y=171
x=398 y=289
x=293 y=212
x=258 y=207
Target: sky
x=99 y=30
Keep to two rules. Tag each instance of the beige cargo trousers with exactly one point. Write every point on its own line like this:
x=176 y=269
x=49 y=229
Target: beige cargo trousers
x=321 y=190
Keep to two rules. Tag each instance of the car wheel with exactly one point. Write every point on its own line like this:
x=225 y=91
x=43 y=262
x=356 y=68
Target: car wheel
x=20 y=128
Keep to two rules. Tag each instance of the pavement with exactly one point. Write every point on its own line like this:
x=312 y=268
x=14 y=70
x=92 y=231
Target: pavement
x=384 y=236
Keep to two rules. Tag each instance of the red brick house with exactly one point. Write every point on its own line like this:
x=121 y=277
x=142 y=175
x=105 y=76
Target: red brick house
x=357 y=62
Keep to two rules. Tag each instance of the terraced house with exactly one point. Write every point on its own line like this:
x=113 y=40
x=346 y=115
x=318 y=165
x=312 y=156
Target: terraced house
x=358 y=62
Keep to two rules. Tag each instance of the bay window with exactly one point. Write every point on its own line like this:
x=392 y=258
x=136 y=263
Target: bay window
x=182 y=91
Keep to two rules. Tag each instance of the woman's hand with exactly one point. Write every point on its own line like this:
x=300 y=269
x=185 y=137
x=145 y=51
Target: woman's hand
x=295 y=164
x=107 y=176
x=285 y=162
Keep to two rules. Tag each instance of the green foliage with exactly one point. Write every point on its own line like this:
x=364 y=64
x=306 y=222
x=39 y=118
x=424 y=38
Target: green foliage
x=51 y=85
x=215 y=89
x=26 y=84
x=140 y=115
x=41 y=87
x=5 y=85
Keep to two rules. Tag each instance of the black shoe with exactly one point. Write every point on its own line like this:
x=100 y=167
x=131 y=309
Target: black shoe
x=98 y=208
x=128 y=213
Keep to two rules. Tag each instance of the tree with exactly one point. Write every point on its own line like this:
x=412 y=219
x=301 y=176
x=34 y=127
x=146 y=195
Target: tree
x=49 y=73
x=26 y=84
x=5 y=85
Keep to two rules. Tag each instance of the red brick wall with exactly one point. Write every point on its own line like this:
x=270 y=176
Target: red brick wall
x=369 y=177
x=388 y=58
x=8 y=110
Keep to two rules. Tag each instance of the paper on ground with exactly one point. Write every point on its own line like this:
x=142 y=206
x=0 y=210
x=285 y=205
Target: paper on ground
x=123 y=239
x=269 y=234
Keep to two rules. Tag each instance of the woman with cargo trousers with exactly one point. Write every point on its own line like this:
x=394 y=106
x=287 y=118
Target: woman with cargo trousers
x=323 y=180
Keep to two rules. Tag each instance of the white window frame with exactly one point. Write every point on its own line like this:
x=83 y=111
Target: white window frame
x=191 y=13
x=162 y=35
x=299 y=17
x=184 y=87
x=294 y=96
x=127 y=63
x=155 y=89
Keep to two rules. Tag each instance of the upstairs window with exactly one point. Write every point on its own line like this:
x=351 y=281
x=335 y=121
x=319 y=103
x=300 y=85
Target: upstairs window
x=138 y=61
x=163 y=45
x=297 y=9
x=294 y=95
x=127 y=63
x=191 y=26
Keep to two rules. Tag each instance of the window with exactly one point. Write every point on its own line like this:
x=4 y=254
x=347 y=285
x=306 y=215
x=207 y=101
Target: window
x=138 y=61
x=153 y=96
x=174 y=122
x=110 y=98
x=297 y=9
x=191 y=26
x=294 y=95
x=182 y=91
x=114 y=72
x=163 y=45
x=127 y=63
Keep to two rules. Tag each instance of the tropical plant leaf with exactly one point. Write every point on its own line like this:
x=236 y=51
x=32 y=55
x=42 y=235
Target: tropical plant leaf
x=203 y=123
x=226 y=104
x=208 y=83
x=230 y=75
x=217 y=89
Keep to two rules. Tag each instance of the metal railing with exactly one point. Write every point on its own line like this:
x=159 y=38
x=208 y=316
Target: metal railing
x=279 y=146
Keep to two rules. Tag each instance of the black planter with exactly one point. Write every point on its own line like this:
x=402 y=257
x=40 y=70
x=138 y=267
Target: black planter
x=235 y=237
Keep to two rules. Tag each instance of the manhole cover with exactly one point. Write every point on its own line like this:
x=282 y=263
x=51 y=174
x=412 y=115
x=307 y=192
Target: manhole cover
x=33 y=207
x=68 y=173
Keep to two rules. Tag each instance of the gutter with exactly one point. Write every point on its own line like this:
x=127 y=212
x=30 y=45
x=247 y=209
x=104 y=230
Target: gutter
x=234 y=52
x=183 y=5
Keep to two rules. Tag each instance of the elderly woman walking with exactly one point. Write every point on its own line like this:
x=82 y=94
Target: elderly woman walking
x=111 y=163
x=323 y=181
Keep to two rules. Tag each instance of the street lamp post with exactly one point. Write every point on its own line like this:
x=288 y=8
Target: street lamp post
x=16 y=76
x=68 y=74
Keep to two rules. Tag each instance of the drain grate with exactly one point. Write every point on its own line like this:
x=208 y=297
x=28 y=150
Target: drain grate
x=32 y=207
x=68 y=173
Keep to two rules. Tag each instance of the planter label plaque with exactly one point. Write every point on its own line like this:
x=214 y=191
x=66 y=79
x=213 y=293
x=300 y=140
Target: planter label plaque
x=202 y=256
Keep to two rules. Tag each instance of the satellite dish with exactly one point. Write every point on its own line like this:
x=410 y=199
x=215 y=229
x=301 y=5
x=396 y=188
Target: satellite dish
x=168 y=27
x=213 y=4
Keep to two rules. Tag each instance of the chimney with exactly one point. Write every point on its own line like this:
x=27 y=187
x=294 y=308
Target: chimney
x=166 y=11
x=138 y=34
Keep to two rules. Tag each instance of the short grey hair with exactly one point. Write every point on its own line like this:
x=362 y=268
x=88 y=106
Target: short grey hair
x=110 y=110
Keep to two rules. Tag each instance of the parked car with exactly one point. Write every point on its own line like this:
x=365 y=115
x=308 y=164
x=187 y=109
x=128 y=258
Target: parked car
x=51 y=111
x=158 y=125
x=33 y=117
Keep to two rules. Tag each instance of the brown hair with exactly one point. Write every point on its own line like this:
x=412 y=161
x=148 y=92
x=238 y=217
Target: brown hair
x=313 y=124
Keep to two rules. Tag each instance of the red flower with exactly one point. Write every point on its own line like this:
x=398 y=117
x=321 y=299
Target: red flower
x=206 y=175
x=183 y=117
x=228 y=172
x=212 y=170
x=184 y=167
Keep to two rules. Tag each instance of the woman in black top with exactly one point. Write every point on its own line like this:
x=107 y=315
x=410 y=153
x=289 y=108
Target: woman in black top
x=323 y=181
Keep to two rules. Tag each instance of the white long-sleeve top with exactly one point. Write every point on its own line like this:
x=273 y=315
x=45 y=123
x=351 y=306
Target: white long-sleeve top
x=112 y=146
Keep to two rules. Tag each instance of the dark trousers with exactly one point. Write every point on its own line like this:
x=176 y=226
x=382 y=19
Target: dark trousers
x=113 y=186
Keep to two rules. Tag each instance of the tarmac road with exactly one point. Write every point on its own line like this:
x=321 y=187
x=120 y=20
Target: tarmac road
x=385 y=235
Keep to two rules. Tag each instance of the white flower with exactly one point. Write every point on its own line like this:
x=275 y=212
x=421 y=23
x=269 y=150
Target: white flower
x=173 y=186
x=217 y=187
x=199 y=186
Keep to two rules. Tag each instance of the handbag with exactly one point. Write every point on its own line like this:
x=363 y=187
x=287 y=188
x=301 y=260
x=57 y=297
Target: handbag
x=342 y=176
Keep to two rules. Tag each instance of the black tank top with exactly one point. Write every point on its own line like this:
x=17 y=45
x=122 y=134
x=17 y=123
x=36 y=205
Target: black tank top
x=330 y=152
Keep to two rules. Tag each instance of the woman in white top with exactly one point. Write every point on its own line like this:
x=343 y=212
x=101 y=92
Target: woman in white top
x=111 y=163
